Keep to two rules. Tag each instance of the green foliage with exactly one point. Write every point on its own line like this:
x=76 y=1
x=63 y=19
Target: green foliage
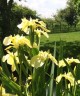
x=11 y=15
x=69 y=37
x=59 y=25
x=68 y=15
x=76 y=4
x=70 y=49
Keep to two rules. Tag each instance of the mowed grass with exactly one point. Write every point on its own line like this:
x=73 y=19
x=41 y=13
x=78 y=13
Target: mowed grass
x=68 y=37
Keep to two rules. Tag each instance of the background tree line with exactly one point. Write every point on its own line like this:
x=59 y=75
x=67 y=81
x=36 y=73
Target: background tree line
x=67 y=19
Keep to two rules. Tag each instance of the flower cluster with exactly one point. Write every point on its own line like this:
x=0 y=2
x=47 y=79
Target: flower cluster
x=39 y=27
x=17 y=41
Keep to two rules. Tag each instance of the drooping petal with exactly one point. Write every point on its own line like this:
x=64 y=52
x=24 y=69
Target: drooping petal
x=67 y=76
x=58 y=78
x=52 y=59
x=4 y=58
x=45 y=34
x=11 y=58
x=7 y=40
x=61 y=63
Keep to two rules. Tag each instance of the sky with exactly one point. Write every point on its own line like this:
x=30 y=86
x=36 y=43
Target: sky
x=44 y=8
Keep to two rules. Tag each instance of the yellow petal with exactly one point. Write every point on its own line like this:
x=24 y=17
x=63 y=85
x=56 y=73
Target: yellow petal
x=8 y=47
x=69 y=61
x=45 y=34
x=24 y=25
x=72 y=60
x=42 y=23
x=27 y=42
x=7 y=40
x=70 y=78
x=67 y=76
x=61 y=63
x=52 y=58
x=36 y=61
x=4 y=58
x=58 y=78
x=2 y=91
x=10 y=59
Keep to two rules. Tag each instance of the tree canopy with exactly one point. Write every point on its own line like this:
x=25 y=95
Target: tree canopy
x=69 y=14
x=10 y=16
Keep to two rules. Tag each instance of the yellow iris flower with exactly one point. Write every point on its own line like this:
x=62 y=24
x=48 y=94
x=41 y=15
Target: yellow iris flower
x=16 y=41
x=35 y=24
x=67 y=76
x=10 y=57
x=39 y=32
x=24 y=25
x=69 y=61
x=38 y=60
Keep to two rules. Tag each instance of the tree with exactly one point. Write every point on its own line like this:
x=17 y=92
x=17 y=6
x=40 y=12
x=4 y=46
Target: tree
x=19 y=12
x=76 y=4
x=73 y=11
x=68 y=15
x=10 y=16
x=71 y=16
x=5 y=9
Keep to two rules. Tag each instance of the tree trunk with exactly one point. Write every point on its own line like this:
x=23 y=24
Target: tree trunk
x=5 y=14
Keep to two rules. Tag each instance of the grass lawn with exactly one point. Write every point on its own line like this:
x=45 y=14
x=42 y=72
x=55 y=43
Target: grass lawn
x=69 y=37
